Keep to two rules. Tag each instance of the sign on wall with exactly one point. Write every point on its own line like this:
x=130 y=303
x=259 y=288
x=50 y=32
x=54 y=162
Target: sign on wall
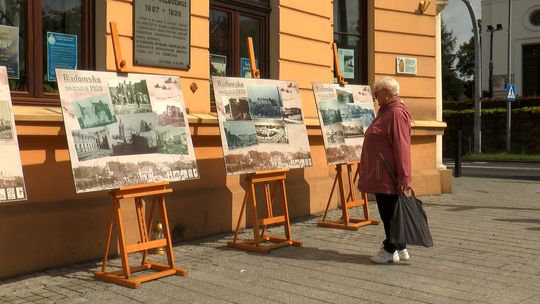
x=406 y=65
x=9 y=50
x=162 y=33
x=261 y=124
x=12 y=186
x=61 y=53
x=125 y=129
x=344 y=113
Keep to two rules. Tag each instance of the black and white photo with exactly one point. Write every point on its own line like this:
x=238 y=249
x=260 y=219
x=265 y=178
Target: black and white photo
x=129 y=96
x=92 y=143
x=330 y=111
x=6 y=132
x=271 y=132
x=265 y=101
x=240 y=134
x=334 y=134
x=236 y=108
x=134 y=134
x=172 y=140
x=94 y=111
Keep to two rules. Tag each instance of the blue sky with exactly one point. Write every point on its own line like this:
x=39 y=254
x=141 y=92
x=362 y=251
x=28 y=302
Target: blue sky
x=456 y=17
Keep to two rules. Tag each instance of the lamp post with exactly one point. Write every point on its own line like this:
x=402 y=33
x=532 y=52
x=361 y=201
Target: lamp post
x=491 y=29
x=477 y=83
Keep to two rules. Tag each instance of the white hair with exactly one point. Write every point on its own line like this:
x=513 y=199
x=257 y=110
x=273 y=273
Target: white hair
x=387 y=83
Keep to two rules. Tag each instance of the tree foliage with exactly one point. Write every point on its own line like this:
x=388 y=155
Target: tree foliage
x=452 y=85
x=465 y=59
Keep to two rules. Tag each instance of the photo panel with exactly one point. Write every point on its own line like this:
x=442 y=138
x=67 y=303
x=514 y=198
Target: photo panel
x=129 y=96
x=134 y=134
x=171 y=140
x=353 y=128
x=169 y=114
x=6 y=129
x=345 y=113
x=240 y=134
x=95 y=111
x=271 y=132
x=92 y=143
x=236 y=108
x=330 y=111
x=272 y=135
x=265 y=101
x=334 y=134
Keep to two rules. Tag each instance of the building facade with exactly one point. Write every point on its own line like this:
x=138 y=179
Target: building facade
x=292 y=40
x=524 y=46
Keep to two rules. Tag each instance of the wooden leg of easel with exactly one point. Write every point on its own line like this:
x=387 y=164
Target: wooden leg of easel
x=109 y=236
x=254 y=216
x=329 y=199
x=269 y=200
x=122 y=240
x=241 y=215
x=343 y=201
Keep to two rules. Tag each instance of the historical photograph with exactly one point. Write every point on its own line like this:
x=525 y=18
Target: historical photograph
x=353 y=128
x=240 y=134
x=5 y=121
x=169 y=114
x=292 y=114
x=172 y=140
x=134 y=134
x=218 y=65
x=334 y=134
x=236 y=108
x=94 y=111
x=92 y=143
x=271 y=132
x=344 y=96
x=265 y=101
x=129 y=96
x=330 y=111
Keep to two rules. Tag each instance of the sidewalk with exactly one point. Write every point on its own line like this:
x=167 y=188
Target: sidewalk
x=487 y=244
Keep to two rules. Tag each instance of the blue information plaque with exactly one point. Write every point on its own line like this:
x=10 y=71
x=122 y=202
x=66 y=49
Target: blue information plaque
x=61 y=53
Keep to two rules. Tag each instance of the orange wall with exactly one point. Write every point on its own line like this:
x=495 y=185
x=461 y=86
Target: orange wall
x=57 y=227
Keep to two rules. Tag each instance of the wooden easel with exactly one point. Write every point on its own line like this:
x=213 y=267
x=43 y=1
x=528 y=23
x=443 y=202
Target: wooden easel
x=265 y=178
x=123 y=276
x=137 y=192
x=346 y=222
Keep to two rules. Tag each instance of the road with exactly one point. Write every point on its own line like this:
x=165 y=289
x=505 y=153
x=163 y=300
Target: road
x=507 y=170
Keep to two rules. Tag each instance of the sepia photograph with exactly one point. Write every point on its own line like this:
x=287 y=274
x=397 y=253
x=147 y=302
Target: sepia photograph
x=330 y=111
x=240 y=134
x=5 y=121
x=344 y=97
x=169 y=114
x=92 y=143
x=218 y=65
x=265 y=101
x=134 y=134
x=236 y=108
x=334 y=134
x=171 y=140
x=353 y=128
x=292 y=115
x=271 y=132
x=129 y=96
x=94 y=111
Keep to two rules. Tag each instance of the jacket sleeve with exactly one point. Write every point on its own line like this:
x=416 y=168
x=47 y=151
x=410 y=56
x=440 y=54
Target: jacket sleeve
x=400 y=131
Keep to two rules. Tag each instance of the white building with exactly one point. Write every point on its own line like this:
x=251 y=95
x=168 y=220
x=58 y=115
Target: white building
x=525 y=46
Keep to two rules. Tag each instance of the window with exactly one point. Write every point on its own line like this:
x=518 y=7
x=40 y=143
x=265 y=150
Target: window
x=34 y=18
x=350 y=36
x=531 y=70
x=231 y=22
x=534 y=17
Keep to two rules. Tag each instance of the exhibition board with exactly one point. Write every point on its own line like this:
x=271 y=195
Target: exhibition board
x=345 y=112
x=261 y=124
x=125 y=129
x=12 y=187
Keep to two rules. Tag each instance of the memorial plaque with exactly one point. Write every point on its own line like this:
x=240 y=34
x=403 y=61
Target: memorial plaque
x=161 y=33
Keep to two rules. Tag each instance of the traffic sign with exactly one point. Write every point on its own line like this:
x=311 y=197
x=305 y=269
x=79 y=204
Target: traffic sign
x=511 y=92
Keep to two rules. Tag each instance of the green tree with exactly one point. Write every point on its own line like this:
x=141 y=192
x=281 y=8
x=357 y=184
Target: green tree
x=465 y=59
x=452 y=85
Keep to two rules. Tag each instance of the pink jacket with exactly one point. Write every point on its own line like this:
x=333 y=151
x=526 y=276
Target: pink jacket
x=390 y=135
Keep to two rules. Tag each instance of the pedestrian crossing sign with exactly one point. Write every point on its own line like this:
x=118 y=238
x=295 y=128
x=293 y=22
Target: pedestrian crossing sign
x=511 y=92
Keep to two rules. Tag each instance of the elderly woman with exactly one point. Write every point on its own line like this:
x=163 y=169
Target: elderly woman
x=390 y=135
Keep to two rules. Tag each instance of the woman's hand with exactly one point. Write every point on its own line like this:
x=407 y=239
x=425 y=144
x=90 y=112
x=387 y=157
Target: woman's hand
x=404 y=189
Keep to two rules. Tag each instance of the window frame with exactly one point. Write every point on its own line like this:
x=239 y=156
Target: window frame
x=362 y=37
x=35 y=95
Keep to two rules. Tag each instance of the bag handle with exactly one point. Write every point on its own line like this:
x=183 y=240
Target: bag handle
x=391 y=173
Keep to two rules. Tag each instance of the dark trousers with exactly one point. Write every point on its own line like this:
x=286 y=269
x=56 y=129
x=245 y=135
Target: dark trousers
x=386 y=204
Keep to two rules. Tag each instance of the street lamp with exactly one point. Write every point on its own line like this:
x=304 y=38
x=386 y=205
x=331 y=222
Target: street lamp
x=491 y=29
